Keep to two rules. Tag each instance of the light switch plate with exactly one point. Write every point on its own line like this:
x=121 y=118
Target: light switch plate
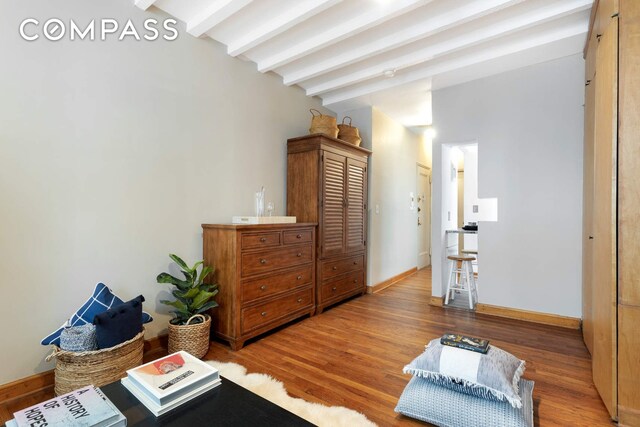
x=475 y=208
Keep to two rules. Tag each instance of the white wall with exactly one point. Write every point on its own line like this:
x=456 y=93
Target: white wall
x=111 y=156
x=528 y=124
x=392 y=239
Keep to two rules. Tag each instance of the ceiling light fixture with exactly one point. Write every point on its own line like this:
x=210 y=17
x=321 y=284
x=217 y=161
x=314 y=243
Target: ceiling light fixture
x=389 y=73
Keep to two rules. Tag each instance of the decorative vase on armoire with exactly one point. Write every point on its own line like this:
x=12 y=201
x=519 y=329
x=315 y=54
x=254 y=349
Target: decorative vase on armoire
x=327 y=184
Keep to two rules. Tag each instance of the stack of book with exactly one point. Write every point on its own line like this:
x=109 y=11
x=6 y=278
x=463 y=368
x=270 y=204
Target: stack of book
x=171 y=381
x=85 y=407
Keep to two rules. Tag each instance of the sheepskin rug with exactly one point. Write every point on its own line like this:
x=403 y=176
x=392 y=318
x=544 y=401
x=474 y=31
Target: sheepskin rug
x=274 y=391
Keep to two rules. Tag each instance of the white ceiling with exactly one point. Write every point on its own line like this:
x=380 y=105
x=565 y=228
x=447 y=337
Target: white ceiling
x=339 y=50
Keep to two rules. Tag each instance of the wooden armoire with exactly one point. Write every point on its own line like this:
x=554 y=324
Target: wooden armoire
x=611 y=221
x=327 y=184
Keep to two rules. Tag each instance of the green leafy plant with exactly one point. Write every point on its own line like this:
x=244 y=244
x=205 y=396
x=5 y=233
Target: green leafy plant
x=193 y=296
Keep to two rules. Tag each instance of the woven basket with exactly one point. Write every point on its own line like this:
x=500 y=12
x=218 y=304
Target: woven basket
x=323 y=124
x=78 y=369
x=349 y=133
x=193 y=339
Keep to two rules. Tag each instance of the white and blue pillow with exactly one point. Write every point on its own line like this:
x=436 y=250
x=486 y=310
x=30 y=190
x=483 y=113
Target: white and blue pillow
x=101 y=300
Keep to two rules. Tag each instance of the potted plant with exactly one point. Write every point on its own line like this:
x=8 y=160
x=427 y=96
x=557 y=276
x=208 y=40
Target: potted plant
x=189 y=329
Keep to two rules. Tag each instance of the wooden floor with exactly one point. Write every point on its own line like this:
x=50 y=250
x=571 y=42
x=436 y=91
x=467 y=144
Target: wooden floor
x=352 y=355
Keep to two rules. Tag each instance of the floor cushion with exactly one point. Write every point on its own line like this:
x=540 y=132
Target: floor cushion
x=441 y=406
x=494 y=375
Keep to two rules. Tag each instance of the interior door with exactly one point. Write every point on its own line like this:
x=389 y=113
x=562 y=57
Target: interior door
x=604 y=283
x=356 y=188
x=423 y=186
x=332 y=234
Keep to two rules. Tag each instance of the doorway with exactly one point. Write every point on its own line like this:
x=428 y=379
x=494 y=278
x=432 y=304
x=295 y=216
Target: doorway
x=423 y=186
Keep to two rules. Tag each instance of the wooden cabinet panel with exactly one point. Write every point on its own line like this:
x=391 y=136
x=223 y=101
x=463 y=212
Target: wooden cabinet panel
x=628 y=365
x=340 y=266
x=587 y=216
x=629 y=156
x=333 y=204
x=356 y=205
x=260 y=315
x=612 y=291
x=269 y=260
x=604 y=220
x=254 y=279
x=276 y=284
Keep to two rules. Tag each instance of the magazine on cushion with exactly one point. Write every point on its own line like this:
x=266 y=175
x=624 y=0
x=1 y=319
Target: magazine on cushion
x=467 y=343
x=159 y=410
x=87 y=406
x=171 y=377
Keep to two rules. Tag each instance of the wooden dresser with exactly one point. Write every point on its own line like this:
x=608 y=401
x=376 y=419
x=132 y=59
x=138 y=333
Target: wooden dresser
x=327 y=184
x=266 y=276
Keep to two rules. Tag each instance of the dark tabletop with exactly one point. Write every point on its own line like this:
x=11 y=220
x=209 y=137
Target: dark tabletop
x=226 y=405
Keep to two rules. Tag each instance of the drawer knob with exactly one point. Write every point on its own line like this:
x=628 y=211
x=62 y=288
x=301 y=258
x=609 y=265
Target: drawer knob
x=263 y=261
x=299 y=299
x=355 y=280
x=334 y=288
x=264 y=313
x=263 y=287
x=335 y=267
x=355 y=262
x=263 y=239
x=299 y=254
x=299 y=236
x=299 y=277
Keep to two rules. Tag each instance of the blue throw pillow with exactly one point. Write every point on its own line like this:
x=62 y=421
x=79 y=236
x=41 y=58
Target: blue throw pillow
x=101 y=300
x=441 y=406
x=119 y=324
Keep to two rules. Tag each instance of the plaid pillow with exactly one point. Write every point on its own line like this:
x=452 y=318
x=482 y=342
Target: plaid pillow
x=101 y=300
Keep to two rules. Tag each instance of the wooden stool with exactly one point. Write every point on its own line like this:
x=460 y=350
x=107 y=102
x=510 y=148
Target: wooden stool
x=473 y=263
x=466 y=282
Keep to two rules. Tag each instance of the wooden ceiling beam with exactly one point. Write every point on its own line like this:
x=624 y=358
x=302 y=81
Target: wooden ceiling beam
x=279 y=24
x=465 y=40
x=369 y=18
x=451 y=18
x=493 y=51
x=144 y=4
x=216 y=13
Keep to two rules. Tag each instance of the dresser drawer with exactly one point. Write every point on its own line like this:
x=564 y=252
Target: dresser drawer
x=342 y=285
x=273 y=259
x=299 y=236
x=340 y=266
x=272 y=285
x=260 y=240
x=254 y=317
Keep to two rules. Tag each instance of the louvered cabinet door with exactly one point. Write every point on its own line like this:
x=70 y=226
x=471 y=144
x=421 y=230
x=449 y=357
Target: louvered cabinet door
x=356 y=188
x=332 y=229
